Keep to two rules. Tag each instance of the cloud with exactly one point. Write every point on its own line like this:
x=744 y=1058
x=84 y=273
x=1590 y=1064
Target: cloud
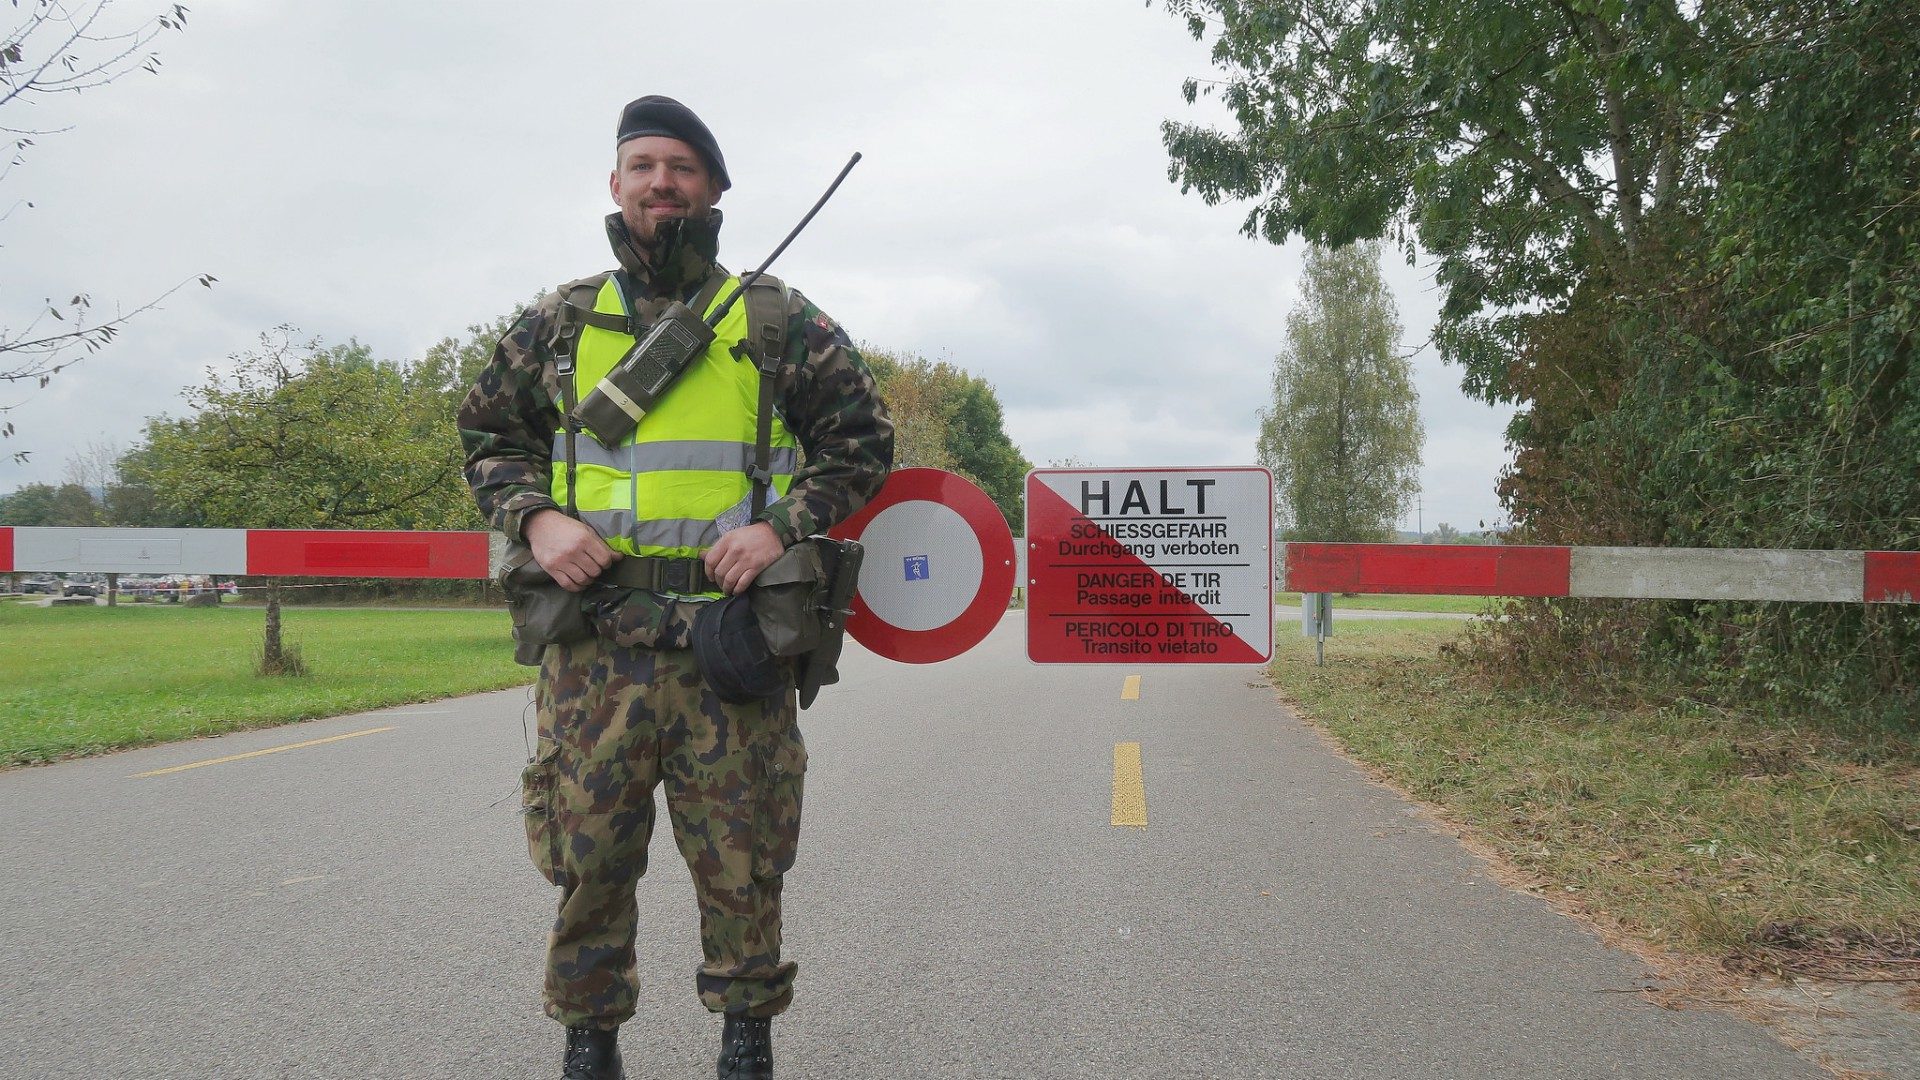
x=386 y=172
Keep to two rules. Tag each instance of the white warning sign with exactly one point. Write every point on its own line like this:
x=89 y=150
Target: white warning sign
x=1164 y=566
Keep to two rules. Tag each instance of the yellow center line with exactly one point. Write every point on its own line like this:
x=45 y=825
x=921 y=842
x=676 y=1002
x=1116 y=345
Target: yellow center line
x=1129 y=790
x=261 y=753
x=1130 y=690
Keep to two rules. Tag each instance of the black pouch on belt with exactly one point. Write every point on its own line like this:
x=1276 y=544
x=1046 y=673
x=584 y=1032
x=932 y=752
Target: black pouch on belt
x=732 y=653
x=796 y=608
x=543 y=612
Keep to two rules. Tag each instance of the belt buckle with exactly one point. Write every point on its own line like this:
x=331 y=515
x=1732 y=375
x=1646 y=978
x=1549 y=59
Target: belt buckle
x=677 y=575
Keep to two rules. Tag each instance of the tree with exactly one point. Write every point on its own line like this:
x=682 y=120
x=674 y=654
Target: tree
x=96 y=466
x=944 y=418
x=918 y=406
x=135 y=506
x=66 y=506
x=1443 y=533
x=1771 y=398
x=1343 y=436
x=130 y=500
x=1682 y=237
x=30 y=505
x=299 y=436
x=981 y=449
x=56 y=48
x=73 y=507
x=64 y=48
x=452 y=365
x=1525 y=146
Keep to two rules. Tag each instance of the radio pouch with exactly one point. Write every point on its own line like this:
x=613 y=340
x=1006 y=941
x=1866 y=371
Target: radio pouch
x=615 y=406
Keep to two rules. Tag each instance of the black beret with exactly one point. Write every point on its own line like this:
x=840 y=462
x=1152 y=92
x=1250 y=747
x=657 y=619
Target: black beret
x=656 y=114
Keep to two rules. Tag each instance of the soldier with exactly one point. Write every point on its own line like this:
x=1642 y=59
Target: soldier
x=666 y=524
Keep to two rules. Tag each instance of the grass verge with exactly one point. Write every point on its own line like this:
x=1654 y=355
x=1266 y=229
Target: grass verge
x=1766 y=843
x=84 y=680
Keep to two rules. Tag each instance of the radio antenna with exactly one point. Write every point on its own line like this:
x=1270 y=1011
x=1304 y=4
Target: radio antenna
x=726 y=306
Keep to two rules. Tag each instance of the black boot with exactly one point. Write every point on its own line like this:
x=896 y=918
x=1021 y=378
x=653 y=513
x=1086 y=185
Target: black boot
x=593 y=1054
x=746 y=1048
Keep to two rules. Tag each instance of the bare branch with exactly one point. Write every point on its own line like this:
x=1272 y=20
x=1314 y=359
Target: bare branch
x=63 y=47
x=86 y=57
x=36 y=358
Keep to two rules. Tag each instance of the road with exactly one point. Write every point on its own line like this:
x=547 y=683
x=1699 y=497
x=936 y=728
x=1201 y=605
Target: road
x=963 y=906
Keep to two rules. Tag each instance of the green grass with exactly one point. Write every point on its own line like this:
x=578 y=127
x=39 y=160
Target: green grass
x=84 y=680
x=1769 y=841
x=1458 y=605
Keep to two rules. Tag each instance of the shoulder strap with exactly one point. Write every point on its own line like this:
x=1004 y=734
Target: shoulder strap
x=562 y=340
x=710 y=290
x=766 y=300
x=576 y=307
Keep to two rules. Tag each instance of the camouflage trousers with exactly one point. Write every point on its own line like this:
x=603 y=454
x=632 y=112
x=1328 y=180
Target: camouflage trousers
x=615 y=723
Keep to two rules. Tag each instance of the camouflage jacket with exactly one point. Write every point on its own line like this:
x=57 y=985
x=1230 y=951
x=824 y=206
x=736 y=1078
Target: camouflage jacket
x=824 y=392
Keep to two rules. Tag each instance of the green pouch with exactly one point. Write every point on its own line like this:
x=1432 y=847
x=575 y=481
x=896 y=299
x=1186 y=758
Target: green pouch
x=800 y=604
x=840 y=561
x=543 y=612
x=787 y=599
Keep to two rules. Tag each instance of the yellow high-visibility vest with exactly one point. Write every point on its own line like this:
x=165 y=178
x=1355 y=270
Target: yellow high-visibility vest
x=680 y=479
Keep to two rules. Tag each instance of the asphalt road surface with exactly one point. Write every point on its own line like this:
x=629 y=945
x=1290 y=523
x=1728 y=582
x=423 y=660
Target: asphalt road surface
x=963 y=905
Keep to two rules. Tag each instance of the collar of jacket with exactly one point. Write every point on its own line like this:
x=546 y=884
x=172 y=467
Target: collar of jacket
x=679 y=263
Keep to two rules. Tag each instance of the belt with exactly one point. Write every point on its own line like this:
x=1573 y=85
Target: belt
x=655 y=574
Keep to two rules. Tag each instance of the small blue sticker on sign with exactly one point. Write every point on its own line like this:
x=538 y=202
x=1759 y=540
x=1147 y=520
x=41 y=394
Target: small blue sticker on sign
x=917 y=568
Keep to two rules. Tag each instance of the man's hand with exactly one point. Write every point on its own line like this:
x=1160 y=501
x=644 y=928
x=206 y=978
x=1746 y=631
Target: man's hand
x=740 y=555
x=567 y=549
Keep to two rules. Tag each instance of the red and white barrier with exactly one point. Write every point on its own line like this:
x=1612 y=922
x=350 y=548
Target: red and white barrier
x=1874 y=577
x=248 y=552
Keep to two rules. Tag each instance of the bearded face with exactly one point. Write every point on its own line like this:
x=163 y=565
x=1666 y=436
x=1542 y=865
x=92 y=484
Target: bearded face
x=656 y=178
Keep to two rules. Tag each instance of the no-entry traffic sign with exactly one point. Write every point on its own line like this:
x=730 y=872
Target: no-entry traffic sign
x=1150 y=566
x=938 y=569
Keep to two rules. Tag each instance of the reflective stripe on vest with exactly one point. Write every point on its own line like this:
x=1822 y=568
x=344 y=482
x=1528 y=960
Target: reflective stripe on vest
x=672 y=485
x=686 y=455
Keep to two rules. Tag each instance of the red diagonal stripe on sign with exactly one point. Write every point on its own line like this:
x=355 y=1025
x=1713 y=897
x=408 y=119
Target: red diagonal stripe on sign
x=394 y=554
x=6 y=549
x=1437 y=569
x=1892 y=577
x=1050 y=520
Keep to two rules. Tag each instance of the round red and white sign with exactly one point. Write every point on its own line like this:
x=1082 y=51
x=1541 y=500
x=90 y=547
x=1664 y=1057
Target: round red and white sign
x=938 y=569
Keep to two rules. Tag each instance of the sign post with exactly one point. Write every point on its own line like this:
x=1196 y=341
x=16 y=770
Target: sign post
x=1316 y=622
x=1159 y=566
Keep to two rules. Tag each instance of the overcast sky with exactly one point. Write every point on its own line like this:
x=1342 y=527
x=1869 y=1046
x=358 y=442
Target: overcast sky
x=395 y=172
